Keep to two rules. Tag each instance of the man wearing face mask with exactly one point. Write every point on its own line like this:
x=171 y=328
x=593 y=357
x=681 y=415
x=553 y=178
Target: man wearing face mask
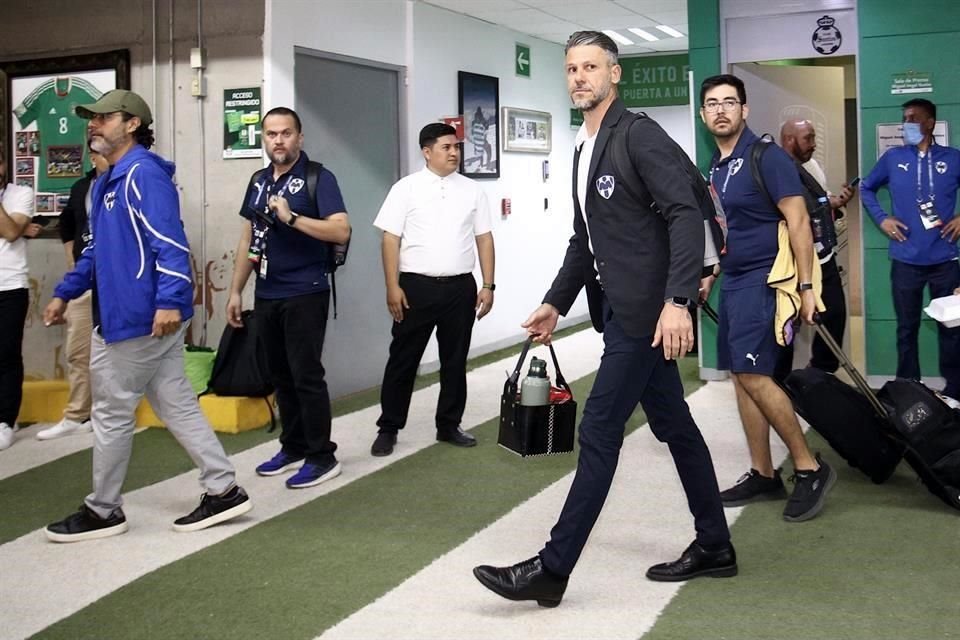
x=922 y=177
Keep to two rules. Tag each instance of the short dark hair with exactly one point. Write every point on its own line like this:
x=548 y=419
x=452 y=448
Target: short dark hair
x=598 y=38
x=433 y=132
x=143 y=134
x=722 y=79
x=926 y=105
x=284 y=111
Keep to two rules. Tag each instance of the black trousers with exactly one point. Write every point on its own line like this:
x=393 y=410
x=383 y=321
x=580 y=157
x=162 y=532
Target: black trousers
x=447 y=304
x=13 y=313
x=632 y=372
x=292 y=330
x=834 y=320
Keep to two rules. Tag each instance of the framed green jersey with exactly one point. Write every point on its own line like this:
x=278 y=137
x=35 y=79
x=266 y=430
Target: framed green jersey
x=62 y=134
x=45 y=140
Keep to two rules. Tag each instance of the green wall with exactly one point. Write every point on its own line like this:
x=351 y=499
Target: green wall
x=896 y=37
x=704 y=28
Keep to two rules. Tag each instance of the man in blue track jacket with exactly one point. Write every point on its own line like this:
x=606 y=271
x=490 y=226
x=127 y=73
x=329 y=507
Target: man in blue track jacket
x=922 y=177
x=137 y=264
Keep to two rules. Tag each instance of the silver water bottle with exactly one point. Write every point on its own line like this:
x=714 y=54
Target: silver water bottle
x=535 y=388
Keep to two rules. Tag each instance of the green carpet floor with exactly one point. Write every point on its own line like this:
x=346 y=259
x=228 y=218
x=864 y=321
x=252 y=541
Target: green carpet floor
x=302 y=572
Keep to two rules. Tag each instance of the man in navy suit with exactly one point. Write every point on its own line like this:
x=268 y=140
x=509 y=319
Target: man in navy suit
x=641 y=267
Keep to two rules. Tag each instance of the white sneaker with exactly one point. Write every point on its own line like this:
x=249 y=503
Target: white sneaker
x=6 y=436
x=65 y=427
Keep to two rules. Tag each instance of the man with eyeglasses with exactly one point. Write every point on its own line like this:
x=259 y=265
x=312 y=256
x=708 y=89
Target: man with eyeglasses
x=746 y=339
x=137 y=265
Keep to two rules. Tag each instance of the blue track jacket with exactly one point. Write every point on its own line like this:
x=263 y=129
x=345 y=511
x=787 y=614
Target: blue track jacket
x=138 y=255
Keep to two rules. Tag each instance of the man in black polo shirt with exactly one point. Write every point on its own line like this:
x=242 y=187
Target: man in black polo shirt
x=285 y=239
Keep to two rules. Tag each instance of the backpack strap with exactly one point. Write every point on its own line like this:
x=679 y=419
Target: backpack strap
x=313 y=178
x=757 y=149
x=623 y=163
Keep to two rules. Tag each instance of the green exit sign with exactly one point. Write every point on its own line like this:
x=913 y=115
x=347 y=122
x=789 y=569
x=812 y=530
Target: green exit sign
x=521 y=60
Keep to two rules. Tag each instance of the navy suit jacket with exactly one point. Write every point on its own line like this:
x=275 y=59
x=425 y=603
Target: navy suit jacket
x=643 y=256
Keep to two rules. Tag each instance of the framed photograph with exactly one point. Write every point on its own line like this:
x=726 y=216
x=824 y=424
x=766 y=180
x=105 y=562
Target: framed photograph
x=24 y=166
x=479 y=102
x=45 y=203
x=62 y=200
x=38 y=98
x=526 y=130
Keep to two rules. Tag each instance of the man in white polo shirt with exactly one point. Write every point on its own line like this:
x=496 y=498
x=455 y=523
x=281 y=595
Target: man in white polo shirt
x=16 y=209
x=435 y=223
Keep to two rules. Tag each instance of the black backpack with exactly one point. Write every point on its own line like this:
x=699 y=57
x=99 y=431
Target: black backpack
x=336 y=253
x=240 y=368
x=715 y=222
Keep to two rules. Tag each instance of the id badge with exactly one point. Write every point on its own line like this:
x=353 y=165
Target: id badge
x=929 y=216
x=263 y=267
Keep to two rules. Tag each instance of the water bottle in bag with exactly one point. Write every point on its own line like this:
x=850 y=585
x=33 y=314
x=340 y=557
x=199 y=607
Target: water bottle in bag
x=535 y=388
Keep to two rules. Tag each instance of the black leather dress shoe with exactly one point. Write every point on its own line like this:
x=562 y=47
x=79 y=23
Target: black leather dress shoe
x=696 y=561
x=383 y=445
x=458 y=437
x=526 y=580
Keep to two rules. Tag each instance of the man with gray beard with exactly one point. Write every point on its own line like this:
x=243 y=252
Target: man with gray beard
x=641 y=267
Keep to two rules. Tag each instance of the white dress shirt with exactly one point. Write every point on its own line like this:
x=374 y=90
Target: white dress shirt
x=437 y=220
x=586 y=143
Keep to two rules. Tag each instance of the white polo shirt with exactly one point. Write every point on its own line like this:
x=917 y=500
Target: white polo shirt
x=13 y=255
x=437 y=220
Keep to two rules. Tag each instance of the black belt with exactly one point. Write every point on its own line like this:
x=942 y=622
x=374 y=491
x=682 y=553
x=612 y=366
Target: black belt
x=420 y=276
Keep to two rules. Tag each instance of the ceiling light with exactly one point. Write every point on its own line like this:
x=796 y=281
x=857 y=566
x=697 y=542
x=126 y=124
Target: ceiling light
x=619 y=38
x=670 y=31
x=649 y=37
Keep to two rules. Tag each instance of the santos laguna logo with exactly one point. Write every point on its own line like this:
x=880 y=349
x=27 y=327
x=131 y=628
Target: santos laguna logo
x=826 y=37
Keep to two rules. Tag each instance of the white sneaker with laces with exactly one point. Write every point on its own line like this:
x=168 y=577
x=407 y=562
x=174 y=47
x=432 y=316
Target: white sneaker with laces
x=6 y=436
x=65 y=427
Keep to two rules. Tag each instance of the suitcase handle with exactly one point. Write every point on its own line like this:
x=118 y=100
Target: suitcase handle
x=510 y=386
x=851 y=370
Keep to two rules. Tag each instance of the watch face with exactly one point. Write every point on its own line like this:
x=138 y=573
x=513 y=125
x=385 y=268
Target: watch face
x=681 y=301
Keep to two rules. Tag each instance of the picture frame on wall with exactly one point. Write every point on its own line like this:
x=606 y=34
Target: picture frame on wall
x=479 y=102
x=39 y=126
x=527 y=131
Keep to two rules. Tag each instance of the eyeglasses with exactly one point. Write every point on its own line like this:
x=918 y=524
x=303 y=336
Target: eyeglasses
x=727 y=105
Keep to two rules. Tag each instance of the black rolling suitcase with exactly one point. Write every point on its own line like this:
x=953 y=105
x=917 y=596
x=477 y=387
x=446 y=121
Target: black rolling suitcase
x=931 y=430
x=854 y=423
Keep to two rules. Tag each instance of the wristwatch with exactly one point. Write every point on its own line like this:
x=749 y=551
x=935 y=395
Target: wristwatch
x=679 y=301
x=490 y=286
x=805 y=286
x=293 y=219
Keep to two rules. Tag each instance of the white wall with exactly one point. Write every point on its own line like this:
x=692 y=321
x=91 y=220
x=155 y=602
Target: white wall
x=434 y=44
x=232 y=31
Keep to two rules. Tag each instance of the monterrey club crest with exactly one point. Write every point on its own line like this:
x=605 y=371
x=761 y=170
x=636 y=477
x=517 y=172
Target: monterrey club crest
x=605 y=186
x=941 y=167
x=109 y=200
x=826 y=37
x=295 y=185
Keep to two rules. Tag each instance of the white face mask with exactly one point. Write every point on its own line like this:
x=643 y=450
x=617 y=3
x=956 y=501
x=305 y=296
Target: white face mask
x=912 y=134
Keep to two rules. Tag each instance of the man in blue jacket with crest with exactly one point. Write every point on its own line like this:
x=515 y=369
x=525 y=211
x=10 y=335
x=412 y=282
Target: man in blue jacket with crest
x=137 y=264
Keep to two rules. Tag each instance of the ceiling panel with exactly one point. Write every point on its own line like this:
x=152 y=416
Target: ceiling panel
x=555 y=20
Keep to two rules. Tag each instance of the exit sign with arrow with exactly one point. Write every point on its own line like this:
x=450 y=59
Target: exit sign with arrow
x=521 y=60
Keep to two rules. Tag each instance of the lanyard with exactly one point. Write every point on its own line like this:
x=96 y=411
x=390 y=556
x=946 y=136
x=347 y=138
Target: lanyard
x=268 y=188
x=929 y=156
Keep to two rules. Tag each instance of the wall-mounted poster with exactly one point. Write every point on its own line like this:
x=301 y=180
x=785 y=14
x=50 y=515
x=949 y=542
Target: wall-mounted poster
x=40 y=97
x=480 y=105
x=242 y=130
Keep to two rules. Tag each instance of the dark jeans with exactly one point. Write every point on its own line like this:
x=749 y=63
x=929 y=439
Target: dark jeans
x=449 y=305
x=631 y=372
x=13 y=313
x=834 y=319
x=908 y=282
x=292 y=330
